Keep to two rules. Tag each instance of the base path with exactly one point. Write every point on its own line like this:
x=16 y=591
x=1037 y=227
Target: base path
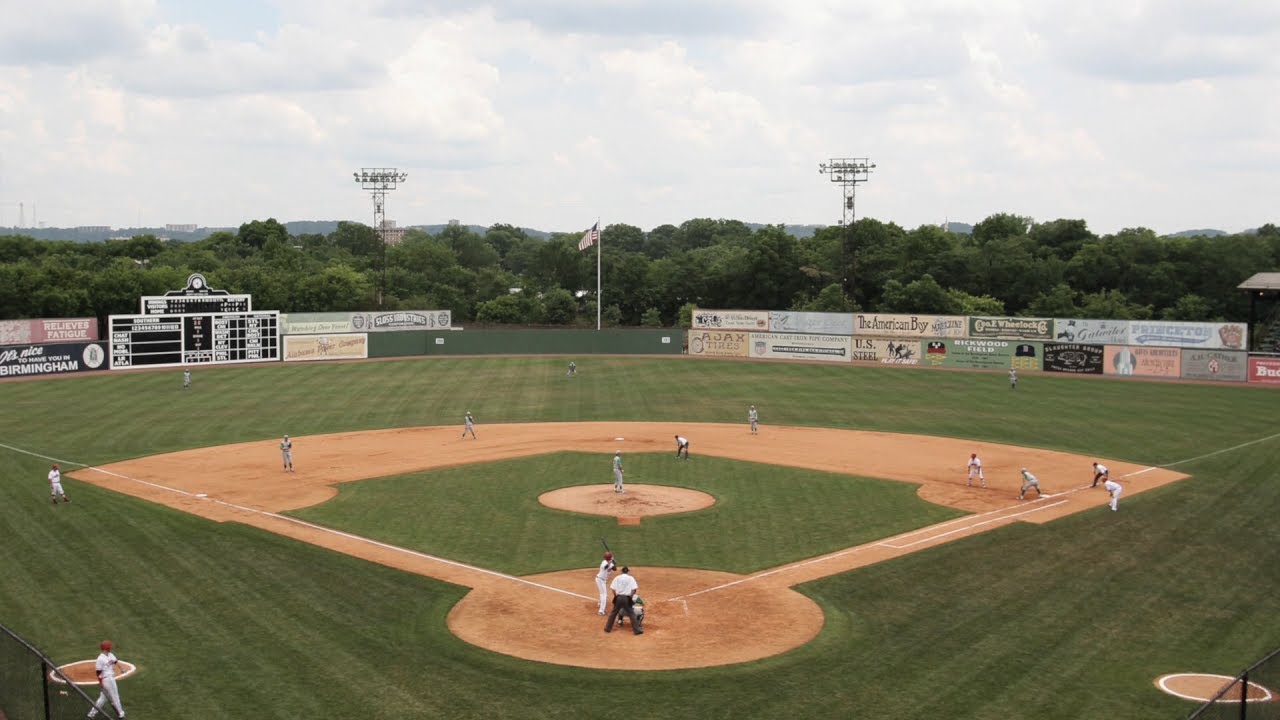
x=696 y=618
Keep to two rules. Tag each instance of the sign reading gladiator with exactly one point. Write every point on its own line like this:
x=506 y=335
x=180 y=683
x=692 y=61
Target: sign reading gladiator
x=1011 y=328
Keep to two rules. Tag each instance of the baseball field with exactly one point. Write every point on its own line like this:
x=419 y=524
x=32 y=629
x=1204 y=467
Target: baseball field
x=841 y=567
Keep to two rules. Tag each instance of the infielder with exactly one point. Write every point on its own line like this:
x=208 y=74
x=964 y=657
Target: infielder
x=186 y=379
x=1116 y=491
x=1100 y=472
x=105 y=666
x=469 y=426
x=975 y=470
x=1013 y=379
x=602 y=578
x=617 y=472
x=1029 y=481
x=55 y=485
x=682 y=446
x=286 y=453
x=753 y=417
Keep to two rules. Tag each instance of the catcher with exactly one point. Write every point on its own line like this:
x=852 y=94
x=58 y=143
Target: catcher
x=637 y=609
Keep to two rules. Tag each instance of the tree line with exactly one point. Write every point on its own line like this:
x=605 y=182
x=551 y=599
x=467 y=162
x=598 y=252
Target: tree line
x=1007 y=265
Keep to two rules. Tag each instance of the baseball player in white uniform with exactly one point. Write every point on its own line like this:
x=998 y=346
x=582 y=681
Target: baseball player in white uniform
x=55 y=485
x=186 y=379
x=1100 y=472
x=682 y=446
x=105 y=666
x=573 y=368
x=1013 y=379
x=1116 y=491
x=602 y=579
x=753 y=417
x=975 y=470
x=1029 y=481
x=469 y=426
x=617 y=472
x=286 y=453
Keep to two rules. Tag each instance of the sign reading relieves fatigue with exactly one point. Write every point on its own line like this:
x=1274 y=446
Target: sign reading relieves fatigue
x=749 y=320
x=1092 y=332
x=1166 y=333
x=917 y=326
x=1073 y=358
x=1011 y=328
x=47 y=330
x=811 y=322
x=1215 y=365
x=719 y=343
x=1145 y=361
x=801 y=346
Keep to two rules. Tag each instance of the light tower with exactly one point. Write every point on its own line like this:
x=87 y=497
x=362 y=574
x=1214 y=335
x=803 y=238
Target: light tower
x=378 y=182
x=847 y=173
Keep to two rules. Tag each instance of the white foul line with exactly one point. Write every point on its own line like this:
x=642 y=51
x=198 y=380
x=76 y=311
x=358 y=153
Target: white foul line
x=313 y=526
x=1002 y=518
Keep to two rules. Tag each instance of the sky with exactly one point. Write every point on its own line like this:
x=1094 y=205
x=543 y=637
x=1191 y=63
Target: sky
x=553 y=114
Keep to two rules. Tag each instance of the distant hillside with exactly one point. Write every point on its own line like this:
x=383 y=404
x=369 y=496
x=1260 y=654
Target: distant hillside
x=1208 y=232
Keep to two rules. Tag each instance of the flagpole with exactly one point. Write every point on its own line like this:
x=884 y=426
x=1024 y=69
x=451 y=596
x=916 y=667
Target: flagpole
x=599 y=298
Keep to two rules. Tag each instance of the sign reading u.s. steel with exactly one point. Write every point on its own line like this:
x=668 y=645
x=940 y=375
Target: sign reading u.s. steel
x=918 y=326
x=749 y=320
x=1011 y=328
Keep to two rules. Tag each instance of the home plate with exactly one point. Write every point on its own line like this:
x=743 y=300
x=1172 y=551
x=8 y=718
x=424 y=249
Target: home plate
x=619 y=438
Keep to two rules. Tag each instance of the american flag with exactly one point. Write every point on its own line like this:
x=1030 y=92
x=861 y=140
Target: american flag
x=590 y=237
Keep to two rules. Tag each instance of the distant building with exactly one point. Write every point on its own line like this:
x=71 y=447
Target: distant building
x=180 y=228
x=93 y=229
x=391 y=234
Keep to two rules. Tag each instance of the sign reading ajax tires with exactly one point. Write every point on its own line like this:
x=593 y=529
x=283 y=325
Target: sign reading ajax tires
x=727 y=343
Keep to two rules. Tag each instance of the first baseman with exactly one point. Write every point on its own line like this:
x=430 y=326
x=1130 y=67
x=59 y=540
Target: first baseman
x=105 y=667
x=975 y=469
x=1100 y=472
x=602 y=578
x=1116 y=490
x=286 y=453
x=617 y=472
x=469 y=426
x=753 y=417
x=186 y=379
x=55 y=485
x=682 y=446
x=1029 y=481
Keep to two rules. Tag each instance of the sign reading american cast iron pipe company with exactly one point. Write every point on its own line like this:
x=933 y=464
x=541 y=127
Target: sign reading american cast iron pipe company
x=910 y=325
x=1011 y=328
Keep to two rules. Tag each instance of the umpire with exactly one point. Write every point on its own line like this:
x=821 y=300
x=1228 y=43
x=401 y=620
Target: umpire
x=625 y=588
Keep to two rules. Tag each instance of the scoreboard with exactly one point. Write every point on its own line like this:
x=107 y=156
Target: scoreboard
x=191 y=304
x=193 y=339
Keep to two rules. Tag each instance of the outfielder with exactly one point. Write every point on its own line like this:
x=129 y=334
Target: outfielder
x=469 y=426
x=1116 y=491
x=682 y=446
x=1029 y=481
x=573 y=368
x=1100 y=472
x=753 y=417
x=55 y=485
x=975 y=470
x=186 y=379
x=617 y=472
x=1013 y=379
x=602 y=578
x=105 y=666
x=286 y=453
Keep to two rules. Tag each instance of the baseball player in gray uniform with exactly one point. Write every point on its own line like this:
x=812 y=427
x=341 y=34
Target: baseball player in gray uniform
x=186 y=379
x=1029 y=481
x=617 y=472
x=286 y=453
x=469 y=426
x=753 y=417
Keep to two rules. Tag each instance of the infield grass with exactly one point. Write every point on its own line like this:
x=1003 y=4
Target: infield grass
x=1072 y=619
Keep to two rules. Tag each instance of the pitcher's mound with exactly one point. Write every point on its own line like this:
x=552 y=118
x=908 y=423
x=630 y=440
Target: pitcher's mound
x=637 y=502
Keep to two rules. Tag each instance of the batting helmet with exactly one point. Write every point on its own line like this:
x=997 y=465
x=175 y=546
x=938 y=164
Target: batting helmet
x=106 y=645
x=608 y=556
x=55 y=467
x=973 y=455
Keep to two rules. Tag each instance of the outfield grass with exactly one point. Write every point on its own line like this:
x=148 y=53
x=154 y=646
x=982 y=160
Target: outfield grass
x=1066 y=620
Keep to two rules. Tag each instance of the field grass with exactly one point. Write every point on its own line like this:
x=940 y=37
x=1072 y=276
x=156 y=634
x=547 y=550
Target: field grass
x=1066 y=620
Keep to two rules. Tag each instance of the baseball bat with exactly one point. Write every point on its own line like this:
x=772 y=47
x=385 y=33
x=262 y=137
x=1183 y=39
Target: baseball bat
x=605 y=544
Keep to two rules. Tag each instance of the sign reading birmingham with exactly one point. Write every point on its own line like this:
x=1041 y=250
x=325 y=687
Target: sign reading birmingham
x=196 y=297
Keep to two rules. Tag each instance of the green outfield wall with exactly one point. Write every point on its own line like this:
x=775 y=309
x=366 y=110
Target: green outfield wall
x=526 y=342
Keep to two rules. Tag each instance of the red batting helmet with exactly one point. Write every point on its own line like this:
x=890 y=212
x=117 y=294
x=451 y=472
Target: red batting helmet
x=55 y=466
x=973 y=455
x=106 y=645
x=608 y=556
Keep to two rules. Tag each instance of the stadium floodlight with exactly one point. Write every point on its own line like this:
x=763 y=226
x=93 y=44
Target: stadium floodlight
x=378 y=182
x=847 y=173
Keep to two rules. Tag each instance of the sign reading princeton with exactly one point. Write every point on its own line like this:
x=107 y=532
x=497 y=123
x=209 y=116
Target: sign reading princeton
x=749 y=320
x=1167 y=333
x=917 y=326
x=1011 y=328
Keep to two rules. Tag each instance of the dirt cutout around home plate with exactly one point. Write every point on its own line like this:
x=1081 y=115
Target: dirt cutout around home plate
x=1203 y=687
x=695 y=618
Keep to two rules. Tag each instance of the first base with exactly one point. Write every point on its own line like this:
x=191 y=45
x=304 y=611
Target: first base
x=619 y=438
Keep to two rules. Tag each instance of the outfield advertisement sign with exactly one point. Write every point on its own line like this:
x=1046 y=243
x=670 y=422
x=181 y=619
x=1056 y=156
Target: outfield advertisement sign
x=47 y=330
x=51 y=359
x=719 y=343
x=801 y=346
x=345 y=346
x=361 y=322
x=811 y=322
x=982 y=354
x=1142 y=361
x=1091 y=332
x=916 y=326
x=1213 y=336
x=1075 y=358
x=888 y=351
x=1264 y=370
x=1227 y=365
x=1011 y=328
x=749 y=320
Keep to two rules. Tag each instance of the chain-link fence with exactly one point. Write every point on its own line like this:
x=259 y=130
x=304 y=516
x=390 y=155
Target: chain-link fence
x=1255 y=694
x=32 y=687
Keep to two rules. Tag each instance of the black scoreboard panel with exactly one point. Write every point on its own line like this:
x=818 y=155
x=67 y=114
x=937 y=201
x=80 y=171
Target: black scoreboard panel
x=194 y=339
x=192 y=304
